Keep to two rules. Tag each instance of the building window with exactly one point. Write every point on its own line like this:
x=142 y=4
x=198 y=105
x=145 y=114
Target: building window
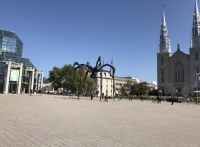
x=162 y=59
x=196 y=55
x=178 y=73
x=196 y=72
x=162 y=75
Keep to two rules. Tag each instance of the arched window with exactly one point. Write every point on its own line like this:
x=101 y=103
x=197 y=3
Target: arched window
x=162 y=60
x=196 y=55
x=196 y=72
x=162 y=75
x=178 y=73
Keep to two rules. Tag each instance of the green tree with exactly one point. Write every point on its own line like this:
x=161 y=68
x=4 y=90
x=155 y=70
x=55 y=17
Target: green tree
x=55 y=76
x=89 y=85
x=63 y=77
x=123 y=90
x=135 y=89
x=142 y=88
x=67 y=77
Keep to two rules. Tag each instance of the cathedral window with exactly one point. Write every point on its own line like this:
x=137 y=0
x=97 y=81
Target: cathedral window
x=196 y=55
x=162 y=75
x=178 y=73
x=162 y=59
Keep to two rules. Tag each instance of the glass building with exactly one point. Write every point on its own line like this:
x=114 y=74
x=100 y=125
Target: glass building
x=17 y=74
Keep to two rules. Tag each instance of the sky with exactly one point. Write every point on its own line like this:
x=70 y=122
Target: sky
x=60 y=32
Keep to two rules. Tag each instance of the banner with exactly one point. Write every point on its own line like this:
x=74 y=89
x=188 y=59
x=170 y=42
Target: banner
x=14 y=75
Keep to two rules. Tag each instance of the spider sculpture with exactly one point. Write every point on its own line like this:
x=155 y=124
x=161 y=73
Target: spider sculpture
x=94 y=70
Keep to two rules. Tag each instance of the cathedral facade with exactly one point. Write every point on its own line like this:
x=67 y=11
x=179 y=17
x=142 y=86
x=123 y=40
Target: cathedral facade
x=177 y=73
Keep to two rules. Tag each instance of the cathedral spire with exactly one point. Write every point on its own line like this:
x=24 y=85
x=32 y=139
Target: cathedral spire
x=196 y=11
x=196 y=27
x=164 y=43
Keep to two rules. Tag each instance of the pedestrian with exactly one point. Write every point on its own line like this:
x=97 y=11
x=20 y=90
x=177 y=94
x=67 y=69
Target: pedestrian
x=31 y=92
x=153 y=99
x=40 y=92
x=91 y=96
x=130 y=97
x=160 y=99
x=157 y=99
x=142 y=98
x=106 y=98
x=188 y=100
x=172 y=99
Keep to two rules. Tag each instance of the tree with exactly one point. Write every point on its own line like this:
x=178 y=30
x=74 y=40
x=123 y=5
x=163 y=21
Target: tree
x=140 y=88
x=63 y=77
x=123 y=90
x=89 y=84
x=135 y=89
x=67 y=74
x=55 y=76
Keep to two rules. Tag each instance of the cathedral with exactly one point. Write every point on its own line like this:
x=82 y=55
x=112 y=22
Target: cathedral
x=177 y=73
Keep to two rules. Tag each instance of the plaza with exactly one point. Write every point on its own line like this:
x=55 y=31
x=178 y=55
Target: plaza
x=57 y=121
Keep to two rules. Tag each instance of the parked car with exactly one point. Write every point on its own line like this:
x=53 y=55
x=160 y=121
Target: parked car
x=174 y=99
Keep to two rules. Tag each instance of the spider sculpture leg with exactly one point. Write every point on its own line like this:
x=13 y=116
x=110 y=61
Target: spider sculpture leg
x=77 y=66
x=84 y=81
x=111 y=74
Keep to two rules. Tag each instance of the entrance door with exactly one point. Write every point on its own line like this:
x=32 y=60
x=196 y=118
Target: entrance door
x=12 y=87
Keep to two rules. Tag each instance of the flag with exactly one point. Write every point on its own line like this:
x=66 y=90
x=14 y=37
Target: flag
x=198 y=74
x=198 y=77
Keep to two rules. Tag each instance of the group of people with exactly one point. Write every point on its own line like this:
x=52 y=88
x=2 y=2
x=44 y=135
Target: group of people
x=157 y=99
x=32 y=91
x=105 y=97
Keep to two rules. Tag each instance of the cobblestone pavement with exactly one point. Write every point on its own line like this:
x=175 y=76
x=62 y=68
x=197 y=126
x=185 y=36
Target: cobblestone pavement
x=56 y=121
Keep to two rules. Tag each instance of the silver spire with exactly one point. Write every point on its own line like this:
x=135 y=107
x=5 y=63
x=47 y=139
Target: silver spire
x=196 y=11
x=164 y=43
x=196 y=27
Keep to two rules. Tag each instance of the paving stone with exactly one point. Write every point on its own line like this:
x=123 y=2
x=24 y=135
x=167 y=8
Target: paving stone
x=51 y=121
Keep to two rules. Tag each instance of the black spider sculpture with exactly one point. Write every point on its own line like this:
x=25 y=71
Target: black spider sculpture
x=94 y=71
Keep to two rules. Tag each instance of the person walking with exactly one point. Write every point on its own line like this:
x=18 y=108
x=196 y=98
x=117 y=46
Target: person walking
x=172 y=99
x=130 y=97
x=31 y=92
x=188 y=100
x=91 y=96
x=157 y=99
x=106 y=98
x=40 y=91
x=142 y=98
x=152 y=99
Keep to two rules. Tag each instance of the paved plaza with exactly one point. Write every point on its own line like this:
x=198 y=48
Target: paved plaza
x=56 y=121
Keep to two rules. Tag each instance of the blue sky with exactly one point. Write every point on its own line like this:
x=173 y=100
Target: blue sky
x=59 y=32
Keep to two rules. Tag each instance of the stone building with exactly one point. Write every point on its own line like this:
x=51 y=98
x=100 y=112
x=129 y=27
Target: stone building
x=176 y=73
x=17 y=74
x=107 y=83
